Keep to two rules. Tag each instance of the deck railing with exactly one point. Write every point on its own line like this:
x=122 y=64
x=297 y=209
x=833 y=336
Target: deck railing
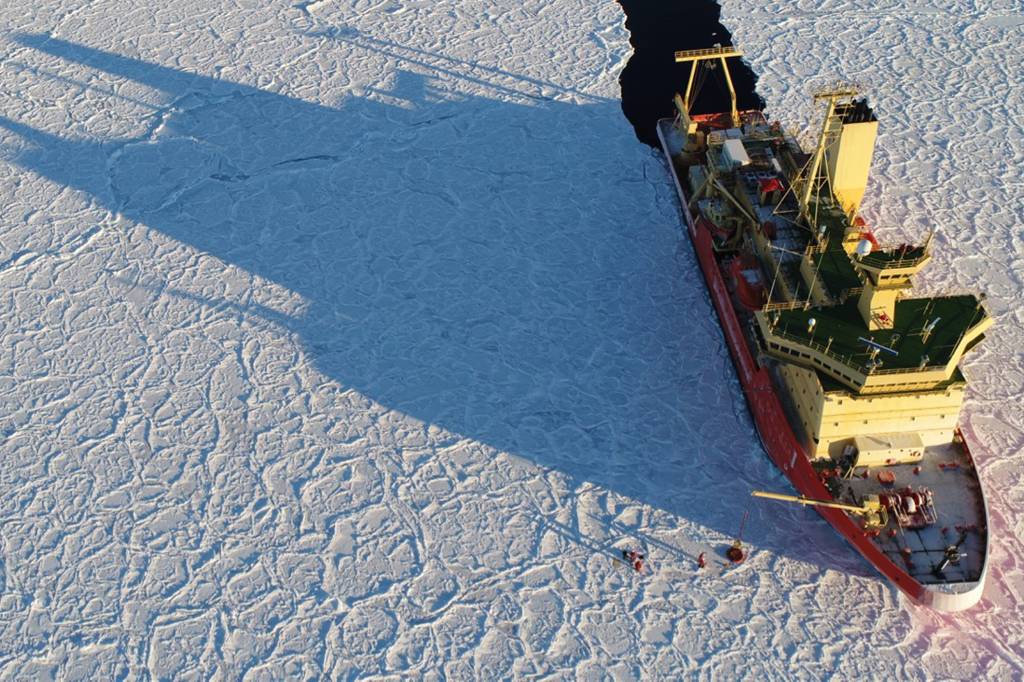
x=848 y=360
x=909 y=370
x=787 y=305
x=827 y=352
x=883 y=263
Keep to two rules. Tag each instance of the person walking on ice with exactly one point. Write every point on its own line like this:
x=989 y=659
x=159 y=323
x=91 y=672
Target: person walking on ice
x=634 y=559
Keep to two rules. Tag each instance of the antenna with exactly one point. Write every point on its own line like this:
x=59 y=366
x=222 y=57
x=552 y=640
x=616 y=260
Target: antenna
x=874 y=347
x=928 y=240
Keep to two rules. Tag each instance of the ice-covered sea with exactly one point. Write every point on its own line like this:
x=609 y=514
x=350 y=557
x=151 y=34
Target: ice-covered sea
x=351 y=339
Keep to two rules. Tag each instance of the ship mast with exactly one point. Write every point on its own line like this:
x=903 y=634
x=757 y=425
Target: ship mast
x=828 y=131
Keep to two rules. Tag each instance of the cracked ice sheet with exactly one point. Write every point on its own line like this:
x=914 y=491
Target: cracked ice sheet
x=347 y=339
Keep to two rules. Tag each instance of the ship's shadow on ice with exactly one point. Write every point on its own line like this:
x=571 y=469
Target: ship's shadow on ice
x=462 y=260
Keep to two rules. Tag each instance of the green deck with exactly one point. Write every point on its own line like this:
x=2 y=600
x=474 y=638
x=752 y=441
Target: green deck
x=839 y=329
x=833 y=263
x=844 y=324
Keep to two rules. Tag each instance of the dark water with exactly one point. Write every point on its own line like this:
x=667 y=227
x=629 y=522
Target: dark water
x=657 y=29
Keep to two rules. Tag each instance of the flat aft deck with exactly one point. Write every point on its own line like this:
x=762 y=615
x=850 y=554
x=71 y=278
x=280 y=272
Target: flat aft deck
x=949 y=473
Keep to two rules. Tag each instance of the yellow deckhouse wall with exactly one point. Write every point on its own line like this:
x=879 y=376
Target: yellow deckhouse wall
x=836 y=417
x=849 y=160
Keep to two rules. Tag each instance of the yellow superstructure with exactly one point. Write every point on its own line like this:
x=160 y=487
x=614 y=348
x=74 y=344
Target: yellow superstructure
x=906 y=421
x=868 y=369
x=884 y=283
x=849 y=155
x=843 y=389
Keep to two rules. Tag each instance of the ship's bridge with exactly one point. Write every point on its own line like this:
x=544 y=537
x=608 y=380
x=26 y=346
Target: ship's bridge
x=919 y=351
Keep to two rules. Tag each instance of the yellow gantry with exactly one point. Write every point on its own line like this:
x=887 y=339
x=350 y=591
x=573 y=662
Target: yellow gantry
x=705 y=54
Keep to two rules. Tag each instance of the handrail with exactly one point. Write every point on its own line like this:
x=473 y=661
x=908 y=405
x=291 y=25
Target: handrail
x=848 y=360
x=955 y=292
x=876 y=261
x=845 y=359
x=720 y=51
x=788 y=305
x=909 y=370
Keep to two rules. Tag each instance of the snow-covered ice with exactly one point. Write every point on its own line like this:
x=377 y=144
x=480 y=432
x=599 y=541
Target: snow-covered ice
x=351 y=339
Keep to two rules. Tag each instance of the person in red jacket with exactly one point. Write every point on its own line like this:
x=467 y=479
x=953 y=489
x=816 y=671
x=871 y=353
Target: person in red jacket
x=634 y=559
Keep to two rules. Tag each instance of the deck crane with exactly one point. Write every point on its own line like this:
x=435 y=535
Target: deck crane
x=874 y=512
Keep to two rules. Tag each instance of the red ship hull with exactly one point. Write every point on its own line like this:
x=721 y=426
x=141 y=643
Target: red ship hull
x=777 y=436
